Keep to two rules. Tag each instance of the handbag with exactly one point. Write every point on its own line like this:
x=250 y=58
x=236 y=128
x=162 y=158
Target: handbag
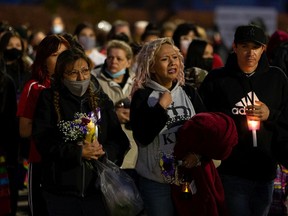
x=119 y=190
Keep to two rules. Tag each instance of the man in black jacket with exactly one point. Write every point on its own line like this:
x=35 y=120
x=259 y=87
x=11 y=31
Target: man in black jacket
x=248 y=87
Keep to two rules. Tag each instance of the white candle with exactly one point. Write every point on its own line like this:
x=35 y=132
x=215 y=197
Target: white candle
x=254 y=135
x=253 y=125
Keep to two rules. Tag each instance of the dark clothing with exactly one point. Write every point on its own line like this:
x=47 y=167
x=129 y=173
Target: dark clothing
x=281 y=57
x=64 y=172
x=158 y=117
x=8 y=126
x=229 y=90
x=19 y=75
x=36 y=200
x=281 y=136
x=9 y=136
x=75 y=206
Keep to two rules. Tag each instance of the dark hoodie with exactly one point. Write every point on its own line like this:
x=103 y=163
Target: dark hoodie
x=229 y=90
x=65 y=172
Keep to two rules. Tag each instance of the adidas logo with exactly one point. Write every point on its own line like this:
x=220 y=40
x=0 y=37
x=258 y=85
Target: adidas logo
x=239 y=108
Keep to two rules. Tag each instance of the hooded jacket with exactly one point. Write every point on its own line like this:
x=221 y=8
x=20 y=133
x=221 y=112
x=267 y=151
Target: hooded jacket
x=115 y=91
x=229 y=90
x=64 y=170
x=154 y=128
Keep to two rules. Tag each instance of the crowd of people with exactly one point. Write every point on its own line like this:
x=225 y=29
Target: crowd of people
x=170 y=104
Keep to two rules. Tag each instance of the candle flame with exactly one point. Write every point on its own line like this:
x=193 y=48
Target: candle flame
x=253 y=124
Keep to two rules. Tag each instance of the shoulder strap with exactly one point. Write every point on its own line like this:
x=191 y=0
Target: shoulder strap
x=190 y=92
x=195 y=98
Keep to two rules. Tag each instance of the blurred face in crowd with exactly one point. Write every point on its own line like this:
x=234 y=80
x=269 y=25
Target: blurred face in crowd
x=208 y=52
x=150 y=38
x=166 y=67
x=123 y=29
x=117 y=60
x=168 y=33
x=87 y=38
x=14 y=42
x=248 y=55
x=88 y=32
x=207 y=58
x=37 y=38
x=57 y=25
x=13 y=50
x=52 y=59
x=185 y=40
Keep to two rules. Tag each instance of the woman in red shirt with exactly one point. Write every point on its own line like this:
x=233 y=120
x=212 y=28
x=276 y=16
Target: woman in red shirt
x=42 y=70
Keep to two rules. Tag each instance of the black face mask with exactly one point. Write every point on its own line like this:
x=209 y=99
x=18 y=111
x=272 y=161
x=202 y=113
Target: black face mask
x=12 y=54
x=206 y=64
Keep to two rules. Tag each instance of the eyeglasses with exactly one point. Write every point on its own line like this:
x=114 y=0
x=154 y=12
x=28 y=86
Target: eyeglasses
x=74 y=73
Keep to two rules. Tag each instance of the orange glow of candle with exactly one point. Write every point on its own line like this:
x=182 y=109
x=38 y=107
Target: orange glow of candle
x=253 y=124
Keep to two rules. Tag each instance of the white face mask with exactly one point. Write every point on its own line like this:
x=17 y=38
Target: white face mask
x=184 y=44
x=57 y=29
x=77 y=88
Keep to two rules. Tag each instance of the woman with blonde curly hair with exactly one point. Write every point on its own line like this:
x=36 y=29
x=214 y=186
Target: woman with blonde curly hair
x=161 y=103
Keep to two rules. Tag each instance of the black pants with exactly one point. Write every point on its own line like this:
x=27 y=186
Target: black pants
x=36 y=201
x=75 y=206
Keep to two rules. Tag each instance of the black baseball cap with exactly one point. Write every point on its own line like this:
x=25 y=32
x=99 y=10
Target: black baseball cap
x=250 y=33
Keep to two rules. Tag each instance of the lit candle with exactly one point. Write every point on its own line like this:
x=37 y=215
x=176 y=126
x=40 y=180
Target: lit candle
x=91 y=132
x=253 y=125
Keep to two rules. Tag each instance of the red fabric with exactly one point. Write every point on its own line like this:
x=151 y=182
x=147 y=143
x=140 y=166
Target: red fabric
x=212 y=135
x=209 y=198
x=209 y=134
x=29 y=98
x=26 y=108
x=274 y=42
x=217 y=61
x=5 y=206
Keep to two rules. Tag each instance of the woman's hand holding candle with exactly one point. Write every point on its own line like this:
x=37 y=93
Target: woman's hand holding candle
x=92 y=150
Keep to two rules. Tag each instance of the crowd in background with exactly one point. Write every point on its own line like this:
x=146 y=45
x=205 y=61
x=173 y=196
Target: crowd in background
x=113 y=49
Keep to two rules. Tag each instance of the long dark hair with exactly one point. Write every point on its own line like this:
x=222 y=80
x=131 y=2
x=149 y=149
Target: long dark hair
x=65 y=61
x=183 y=29
x=2 y=74
x=49 y=45
x=5 y=38
x=195 y=53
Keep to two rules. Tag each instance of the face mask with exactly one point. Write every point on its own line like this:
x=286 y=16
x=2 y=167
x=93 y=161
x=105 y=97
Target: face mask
x=57 y=29
x=184 y=44
x=77 y=88
x=88 y=43
x=117 y=74
x=206 y=64
x=12 y=54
